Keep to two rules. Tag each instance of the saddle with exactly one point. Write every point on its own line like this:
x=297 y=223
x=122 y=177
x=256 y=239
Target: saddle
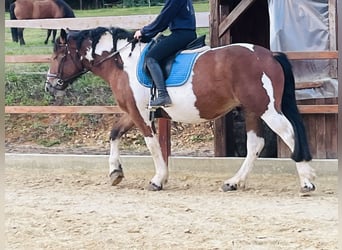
x=176 y=69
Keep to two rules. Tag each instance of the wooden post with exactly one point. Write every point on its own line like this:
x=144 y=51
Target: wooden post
x=223 y=133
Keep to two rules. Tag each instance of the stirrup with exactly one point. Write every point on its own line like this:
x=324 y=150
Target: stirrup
x=163 y=103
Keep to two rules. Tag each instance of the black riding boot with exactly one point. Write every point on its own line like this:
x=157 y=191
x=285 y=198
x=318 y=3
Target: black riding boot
x=163 y=99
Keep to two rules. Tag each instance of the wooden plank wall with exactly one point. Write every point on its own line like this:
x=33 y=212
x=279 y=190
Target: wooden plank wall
x=320 y=116
x=321 y=131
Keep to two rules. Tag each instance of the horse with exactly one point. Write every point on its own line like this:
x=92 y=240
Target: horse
x=36 y=9
x=242 y=75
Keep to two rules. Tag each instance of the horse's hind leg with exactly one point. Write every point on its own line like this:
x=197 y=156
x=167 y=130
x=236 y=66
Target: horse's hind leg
x=54 y=33
x=48 y=33
x=21 y=36
x=14 y=32
x=282 y=126
x=119 y=129
x=255 y=143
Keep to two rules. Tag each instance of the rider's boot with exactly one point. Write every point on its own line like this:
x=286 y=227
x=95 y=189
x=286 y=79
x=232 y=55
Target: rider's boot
x=163 y=99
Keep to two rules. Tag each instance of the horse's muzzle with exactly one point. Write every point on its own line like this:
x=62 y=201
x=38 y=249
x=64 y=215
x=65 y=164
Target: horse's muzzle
x=55 y=87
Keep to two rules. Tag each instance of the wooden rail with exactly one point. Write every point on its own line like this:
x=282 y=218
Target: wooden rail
x=28 y=58
x=62 y=109
x=318 y=109
x=305 y=109
x=79 y=23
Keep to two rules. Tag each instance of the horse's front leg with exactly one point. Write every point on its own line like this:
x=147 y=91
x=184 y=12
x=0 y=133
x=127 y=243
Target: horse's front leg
x=162 y=173
x=120 y=128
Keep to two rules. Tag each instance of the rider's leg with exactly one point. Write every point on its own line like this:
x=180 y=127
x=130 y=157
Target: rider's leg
x=163 y=98
x=167 y=47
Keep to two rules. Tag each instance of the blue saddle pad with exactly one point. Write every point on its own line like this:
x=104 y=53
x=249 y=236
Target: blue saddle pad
x=180 y=69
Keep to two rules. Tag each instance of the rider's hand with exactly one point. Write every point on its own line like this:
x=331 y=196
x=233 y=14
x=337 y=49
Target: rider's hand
x=137 y=34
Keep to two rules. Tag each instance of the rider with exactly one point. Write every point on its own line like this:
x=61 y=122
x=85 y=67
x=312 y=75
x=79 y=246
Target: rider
x=179 y=17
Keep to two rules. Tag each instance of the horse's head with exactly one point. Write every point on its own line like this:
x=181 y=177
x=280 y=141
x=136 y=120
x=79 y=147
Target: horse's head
x=66 y=64
x=77 y=52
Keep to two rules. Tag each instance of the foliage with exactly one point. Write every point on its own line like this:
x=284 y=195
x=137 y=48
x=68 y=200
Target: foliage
x=24 y=85
x=137 y=3
x=25 y=88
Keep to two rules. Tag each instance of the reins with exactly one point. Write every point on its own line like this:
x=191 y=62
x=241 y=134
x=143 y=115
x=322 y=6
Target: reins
x=114 y=53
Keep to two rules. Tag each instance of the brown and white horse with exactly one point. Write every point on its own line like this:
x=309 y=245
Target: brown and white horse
x=222 y=78
x=38 y=9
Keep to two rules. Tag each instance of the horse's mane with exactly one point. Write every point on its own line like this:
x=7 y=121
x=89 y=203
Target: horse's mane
x=95 y=34
x=67 y=10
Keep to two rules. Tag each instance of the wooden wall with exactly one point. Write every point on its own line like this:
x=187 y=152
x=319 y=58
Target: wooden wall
x=321 y=132
x=234 y=21
x=251 y=25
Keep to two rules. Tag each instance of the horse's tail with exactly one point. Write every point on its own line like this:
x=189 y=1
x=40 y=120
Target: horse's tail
x=14 y=30
x=290 y=110
x=67 y=10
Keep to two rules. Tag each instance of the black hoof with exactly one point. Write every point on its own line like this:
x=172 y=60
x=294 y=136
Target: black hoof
x=116 y=177
x=154 y=187
x=229 y=187
x=307 y=189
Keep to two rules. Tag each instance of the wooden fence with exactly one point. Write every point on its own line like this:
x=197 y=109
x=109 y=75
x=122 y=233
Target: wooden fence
x=134 y=22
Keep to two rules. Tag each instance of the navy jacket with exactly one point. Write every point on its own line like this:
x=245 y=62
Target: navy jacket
x=176 y=14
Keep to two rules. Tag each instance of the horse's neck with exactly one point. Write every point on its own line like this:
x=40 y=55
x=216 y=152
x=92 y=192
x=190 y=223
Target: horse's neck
x=131 y=59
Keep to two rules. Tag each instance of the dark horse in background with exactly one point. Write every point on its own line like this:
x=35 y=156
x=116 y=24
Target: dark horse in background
x=37 y=9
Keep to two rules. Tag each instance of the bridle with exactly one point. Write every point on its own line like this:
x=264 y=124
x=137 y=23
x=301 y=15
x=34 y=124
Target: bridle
x=58 y=76
x=59 y=82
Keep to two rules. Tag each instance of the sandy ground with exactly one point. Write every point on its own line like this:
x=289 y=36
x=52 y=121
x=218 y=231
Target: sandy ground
x=77 y=209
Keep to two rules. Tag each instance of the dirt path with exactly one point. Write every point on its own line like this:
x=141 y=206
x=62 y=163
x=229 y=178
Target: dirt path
x=77 y=209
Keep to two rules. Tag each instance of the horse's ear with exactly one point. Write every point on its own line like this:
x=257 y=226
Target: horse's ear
x=63 y=35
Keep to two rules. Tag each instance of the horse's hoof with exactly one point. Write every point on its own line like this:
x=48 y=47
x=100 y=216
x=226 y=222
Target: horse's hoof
x=116 y=177
x=154 y=187
x=307 y=189
x=229 y=187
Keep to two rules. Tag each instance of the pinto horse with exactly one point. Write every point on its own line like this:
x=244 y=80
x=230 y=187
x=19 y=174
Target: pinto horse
x=222 y=78
x=36 y=9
